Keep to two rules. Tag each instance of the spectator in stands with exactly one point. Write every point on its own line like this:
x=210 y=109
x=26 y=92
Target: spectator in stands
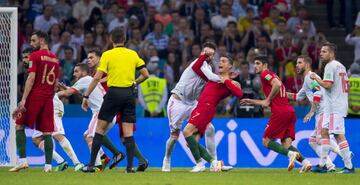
x=111 y=13
x=231 y=38
x=172 y=70
x=149 y=21
x=45 y=21
x=135 y=40
x=95 y=16
x=24 y=37
x=330 y=13
x=153 y=93
x=278 y=34
x=68 y=63
x=77 y=37
x=58 y=48
x=354 y=93
x=250 y=89
x=138 y=9
x=187 y=9
x=293 y=24
x=269 y=23
x=62 y=10
x=244 y=22
x=312 y=48
x=88 y=45
x=205 y=32
x=183 y=31
x=163 y=16
x=83 y=8
x=253 y=34
x=303 y=34
x=33 y=9
x=198 y=20
x=120 y=21
x=101 y=37
x=159 y=39
x=54 y=36
x=219 y=22
x=244 y=5
x=353 y=38
x=155 y=3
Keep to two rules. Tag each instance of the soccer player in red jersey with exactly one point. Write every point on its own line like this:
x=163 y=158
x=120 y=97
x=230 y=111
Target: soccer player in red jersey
x=205 y=110
x=283 y=117
x=36 y=104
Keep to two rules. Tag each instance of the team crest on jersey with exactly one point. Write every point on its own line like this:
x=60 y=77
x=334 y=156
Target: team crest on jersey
x=268 y=77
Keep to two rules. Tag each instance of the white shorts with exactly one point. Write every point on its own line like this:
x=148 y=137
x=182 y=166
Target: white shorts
x=177 y=112
x=90 y=132
x=58 y=128
x=335 y=122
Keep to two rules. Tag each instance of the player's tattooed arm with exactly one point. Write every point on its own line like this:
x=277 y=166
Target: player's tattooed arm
x=311 y=113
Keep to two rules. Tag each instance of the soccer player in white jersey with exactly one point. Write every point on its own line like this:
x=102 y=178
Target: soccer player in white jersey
x=313 y=92
x=336 y=84
x=184 y=99
x=59 y=136
x=81 y=73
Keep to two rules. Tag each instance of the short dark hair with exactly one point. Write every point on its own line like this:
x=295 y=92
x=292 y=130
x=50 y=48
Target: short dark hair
x=231 y=61
x=262 y=58
x=118 y=35
x=83 y=67
x=95 y=51
x=332 y=47
x=306 y=58
x=69 y=48
x=209 y=45
x=42 y=35
x=27 y=50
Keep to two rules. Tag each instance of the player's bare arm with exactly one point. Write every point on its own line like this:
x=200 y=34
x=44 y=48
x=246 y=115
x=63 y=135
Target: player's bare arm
x=28 y=86
x=96 y=79
x=326 y=85
x=144 y=74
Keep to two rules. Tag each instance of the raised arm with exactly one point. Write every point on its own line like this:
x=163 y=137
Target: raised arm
x=197 y=66
x=234 y=87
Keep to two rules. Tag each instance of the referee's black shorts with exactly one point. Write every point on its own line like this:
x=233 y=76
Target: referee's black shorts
x=119 y=99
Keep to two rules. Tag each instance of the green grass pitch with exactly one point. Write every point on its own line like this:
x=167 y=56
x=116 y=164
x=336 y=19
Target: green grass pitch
x=154 y=176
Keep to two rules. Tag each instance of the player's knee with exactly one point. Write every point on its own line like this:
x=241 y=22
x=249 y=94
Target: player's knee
x=19 y=127
x=325 y=133
x=175 y=135
x=210 y=129
x=187 y=131
x=340 y=137
x=59 y=137
x=36 y=141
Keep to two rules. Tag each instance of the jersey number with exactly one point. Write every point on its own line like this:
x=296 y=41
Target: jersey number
x=344 y=83
x=47 y=76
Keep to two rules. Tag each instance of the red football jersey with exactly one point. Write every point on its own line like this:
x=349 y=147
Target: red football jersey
x=280 y=102
x=46 y=67
x=103 y=84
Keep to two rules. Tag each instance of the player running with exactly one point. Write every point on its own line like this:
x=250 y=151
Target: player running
x=83 y=80
x=36 y=104
x=205 y=111
x=314 y=93
x=336 y=84
x=283 y=117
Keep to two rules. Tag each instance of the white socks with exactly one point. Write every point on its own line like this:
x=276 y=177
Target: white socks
x=170 y=144
x=210 y=141
x=65 y=144
x=345 y=154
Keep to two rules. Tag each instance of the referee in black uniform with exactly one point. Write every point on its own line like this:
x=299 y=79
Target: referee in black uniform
x=120 y=65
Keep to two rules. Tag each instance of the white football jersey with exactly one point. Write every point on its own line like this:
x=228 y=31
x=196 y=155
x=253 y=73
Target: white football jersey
x=96 y=97
x=311 y=89
x=190 y=84
x=337 y=97
x=58 y=106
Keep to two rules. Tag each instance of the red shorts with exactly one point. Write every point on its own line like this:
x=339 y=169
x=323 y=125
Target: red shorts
x=201 y=116
x=118 y=120
x=281 y=126
x=39 y=111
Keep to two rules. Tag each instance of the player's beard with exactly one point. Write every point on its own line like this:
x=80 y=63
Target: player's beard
x=300 y=71
x=26 y=66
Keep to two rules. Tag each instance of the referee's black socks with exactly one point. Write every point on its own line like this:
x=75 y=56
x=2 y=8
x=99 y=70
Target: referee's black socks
x=95 y=147
x=129 y=143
